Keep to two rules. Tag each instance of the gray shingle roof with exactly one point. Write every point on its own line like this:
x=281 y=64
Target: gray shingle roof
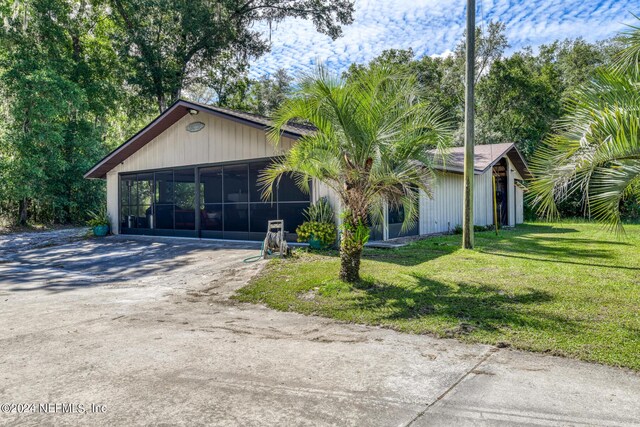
x=485 y=156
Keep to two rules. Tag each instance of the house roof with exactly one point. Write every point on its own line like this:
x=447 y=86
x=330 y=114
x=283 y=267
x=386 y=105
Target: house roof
x=485 y=157
x=171 y=115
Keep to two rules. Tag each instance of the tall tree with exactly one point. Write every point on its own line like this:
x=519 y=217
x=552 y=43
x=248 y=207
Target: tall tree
x=596 y=150
x=269 y=92
x=370 y=147
x=170 y=42
x=60 y=86
x=518 y=101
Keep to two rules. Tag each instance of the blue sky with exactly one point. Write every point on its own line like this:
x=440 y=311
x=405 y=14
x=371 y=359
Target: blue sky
x=433 y=27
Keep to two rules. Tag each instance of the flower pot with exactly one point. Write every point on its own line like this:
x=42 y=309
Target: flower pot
x=314 y=243
x=100 y=230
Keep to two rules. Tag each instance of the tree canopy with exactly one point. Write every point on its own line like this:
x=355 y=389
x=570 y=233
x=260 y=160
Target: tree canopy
x=78 y=77
x=171 y=44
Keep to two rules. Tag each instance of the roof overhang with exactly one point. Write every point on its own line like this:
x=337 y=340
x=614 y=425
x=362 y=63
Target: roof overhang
x=170 y=116
x=508 y=150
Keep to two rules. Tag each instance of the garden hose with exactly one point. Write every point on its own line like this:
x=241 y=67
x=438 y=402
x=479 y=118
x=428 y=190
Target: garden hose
x=256 y=257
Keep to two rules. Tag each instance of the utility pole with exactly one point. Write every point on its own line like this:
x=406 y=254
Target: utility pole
x=469 y=101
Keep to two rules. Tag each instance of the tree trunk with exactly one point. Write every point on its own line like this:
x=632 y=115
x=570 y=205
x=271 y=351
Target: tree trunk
x=350 y=265
x=161 y=104
x=22 y=216
x=350 y=251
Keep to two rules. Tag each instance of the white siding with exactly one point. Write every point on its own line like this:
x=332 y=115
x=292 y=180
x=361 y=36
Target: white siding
x=112 y=201
x=224 y=140
x=519 y=205
x=514 y=197
x=221 y=140
x=443 y=212
x=320 y=190
x=511 y=196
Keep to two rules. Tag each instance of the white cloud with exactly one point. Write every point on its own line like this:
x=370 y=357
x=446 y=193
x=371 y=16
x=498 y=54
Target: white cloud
x=434 y=27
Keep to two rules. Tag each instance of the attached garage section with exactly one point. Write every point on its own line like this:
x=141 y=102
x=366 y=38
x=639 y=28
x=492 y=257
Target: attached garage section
x=193 y=172
x=220 y=201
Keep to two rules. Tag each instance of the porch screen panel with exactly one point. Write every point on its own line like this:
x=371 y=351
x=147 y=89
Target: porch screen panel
x=211 y=212
x=185 y=199
x=128 y=192
x=236 y=201
x=145 y=215
x=164 y=200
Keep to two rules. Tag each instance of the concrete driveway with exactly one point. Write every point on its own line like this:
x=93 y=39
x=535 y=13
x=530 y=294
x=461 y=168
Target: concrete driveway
x=141 y=332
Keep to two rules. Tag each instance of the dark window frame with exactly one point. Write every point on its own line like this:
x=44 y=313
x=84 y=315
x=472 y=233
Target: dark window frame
x=198 y=204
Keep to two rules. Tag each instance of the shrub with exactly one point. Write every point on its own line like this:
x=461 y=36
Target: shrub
x=322 y=231
x=477 y=228
x=320 y=211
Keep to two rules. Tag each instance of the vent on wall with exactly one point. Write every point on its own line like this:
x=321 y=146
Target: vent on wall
x=195 y=127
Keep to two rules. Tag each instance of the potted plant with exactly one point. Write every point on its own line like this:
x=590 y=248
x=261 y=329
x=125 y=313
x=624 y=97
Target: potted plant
x=319 y=230
x=99 y=221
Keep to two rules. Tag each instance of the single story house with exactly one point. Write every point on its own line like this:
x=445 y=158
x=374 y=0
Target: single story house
x=192 y=172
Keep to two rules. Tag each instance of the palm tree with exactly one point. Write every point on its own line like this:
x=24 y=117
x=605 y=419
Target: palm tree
x=370 y=147
x=596 y=150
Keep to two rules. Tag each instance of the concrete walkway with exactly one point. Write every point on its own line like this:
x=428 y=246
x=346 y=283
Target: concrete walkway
x=145 y=332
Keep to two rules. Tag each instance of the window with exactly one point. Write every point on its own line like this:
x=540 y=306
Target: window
x=396 y=218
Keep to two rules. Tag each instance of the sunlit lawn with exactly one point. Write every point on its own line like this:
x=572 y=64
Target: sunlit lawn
x=566 y=289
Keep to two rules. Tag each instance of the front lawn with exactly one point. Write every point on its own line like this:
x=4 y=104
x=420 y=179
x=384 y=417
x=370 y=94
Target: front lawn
x=569 y=289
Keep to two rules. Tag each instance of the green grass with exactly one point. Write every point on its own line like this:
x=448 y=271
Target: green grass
x=570 y=289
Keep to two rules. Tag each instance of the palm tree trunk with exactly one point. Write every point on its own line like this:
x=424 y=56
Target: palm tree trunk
x=350 y=264
x=350 y=252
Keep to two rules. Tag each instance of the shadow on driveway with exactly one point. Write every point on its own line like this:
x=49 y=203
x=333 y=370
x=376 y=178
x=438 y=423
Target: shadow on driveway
x=95 y=262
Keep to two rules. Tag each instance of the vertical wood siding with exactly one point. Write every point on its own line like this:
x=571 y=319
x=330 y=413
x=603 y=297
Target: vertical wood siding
x=221 y=140
x=112 y=201
x=443 y=212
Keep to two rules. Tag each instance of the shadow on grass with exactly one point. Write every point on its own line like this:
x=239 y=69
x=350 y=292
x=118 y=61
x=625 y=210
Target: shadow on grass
x=551 y=248
x=564 y=261
x=545 y=243
x=466 y=307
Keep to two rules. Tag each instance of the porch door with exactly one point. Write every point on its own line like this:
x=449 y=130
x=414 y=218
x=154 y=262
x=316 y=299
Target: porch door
x=502 y=192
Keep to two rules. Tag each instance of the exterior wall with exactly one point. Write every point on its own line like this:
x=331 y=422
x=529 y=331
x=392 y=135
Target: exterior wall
x=112 y=201
x=224 y=140
x=320 y=190
x=221 y=140
x=514 y=197
x=519 y=205
x=443 y=212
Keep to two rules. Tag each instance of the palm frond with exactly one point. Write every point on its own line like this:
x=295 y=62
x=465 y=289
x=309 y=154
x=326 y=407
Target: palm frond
x=371 y=144
x=595 y=151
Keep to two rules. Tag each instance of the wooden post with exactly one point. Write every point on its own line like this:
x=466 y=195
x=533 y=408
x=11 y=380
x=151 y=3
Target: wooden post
x=467 y=207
